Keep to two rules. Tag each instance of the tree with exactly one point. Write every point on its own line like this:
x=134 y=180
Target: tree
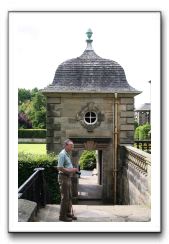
x=38 y=111
x=136 y=133
x=34 y=91
x=23 y=121
x=23 y=95
x=32 y=106
x=142 y=132
x=26 y=108
x=88 y=160
x=146 y=128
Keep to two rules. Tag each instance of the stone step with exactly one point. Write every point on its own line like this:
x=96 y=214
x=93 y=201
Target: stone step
x=90 y=202
x=98 y=213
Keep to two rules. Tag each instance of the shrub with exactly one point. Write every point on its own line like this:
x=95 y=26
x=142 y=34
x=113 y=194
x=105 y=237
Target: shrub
x=23 y=121
x=142 y=132
x=136 y=133
x=146 y=129
x=135 y=124
x=88 y=160
x=32 y=133
x=28 y=162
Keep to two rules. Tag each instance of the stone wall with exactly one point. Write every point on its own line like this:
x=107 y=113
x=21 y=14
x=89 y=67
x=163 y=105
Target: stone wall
x=62 y=118
x=63 y=122
x=135 y=183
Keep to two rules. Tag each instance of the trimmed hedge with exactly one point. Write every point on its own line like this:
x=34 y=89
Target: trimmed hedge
x=32 y=133
x=28 y=162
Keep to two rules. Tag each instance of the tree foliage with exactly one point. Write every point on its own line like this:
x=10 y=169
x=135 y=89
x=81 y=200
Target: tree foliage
x=38 y=111
x=88 y=160
x=32 y=105
x=23 y=95
x=142 y=132
x=23 y=121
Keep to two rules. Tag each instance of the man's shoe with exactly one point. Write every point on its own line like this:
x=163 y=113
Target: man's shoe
x=65 y=219
x=72 y=216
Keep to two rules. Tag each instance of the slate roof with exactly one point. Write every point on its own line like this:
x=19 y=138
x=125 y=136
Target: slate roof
x=90 y=73
x=144 y=107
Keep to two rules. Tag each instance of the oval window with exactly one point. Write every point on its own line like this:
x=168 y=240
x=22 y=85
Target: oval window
x=90 y=118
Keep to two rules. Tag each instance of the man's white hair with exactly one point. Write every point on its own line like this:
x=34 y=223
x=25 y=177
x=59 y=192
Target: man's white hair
x=67 y=141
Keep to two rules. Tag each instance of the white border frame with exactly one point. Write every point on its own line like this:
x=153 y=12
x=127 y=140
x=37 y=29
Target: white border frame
x=153 y=226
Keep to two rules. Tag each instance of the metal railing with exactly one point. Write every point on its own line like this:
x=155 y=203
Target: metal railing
x=34 y=188
x=144 y=145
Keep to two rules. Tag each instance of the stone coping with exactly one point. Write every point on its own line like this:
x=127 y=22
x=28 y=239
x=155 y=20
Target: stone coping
x=144 y=154
x=33 y=140
x=26 y=210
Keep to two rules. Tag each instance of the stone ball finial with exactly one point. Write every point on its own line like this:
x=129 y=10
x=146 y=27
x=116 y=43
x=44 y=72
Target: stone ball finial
x=89 y=33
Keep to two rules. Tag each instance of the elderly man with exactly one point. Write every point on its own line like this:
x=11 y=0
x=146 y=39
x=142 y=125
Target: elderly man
x=66 y=170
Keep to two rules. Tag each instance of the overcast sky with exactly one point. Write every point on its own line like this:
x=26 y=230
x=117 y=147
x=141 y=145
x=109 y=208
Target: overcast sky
x=39 y=42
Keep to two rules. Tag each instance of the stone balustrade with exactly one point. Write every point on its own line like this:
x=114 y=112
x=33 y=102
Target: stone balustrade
x=138 y=158
x=135 y=186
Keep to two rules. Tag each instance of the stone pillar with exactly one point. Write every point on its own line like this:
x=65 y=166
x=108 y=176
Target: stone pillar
x=149 y=184
x=122 y=182
x=75 y=161
x=97 y=167
x=126 y=136
x=100 y=168
x=126 y=108
x=53 y=125
x=107 y=156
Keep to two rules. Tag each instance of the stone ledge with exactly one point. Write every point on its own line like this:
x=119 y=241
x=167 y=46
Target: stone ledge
x=144 y=154
x=33 y=140
x=26 y=210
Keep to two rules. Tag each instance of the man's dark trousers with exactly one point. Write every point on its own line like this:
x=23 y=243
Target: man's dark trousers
x=66 y=194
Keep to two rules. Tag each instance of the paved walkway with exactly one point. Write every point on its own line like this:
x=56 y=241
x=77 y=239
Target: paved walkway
x=90 y=208
x=98 y=213
x=94 y=211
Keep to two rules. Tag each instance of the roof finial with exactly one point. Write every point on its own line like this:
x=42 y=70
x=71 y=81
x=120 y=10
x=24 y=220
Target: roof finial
x=89 y=33
x=89 y=41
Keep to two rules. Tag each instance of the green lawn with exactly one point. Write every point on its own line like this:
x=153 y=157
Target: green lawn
x=32 y=148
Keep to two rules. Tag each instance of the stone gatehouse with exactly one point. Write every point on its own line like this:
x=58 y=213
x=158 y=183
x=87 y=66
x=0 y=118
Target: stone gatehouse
x=91 y=102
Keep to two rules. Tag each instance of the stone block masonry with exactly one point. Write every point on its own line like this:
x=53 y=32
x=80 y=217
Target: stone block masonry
x=62 y=117
x=134 y=182
x=126 y=120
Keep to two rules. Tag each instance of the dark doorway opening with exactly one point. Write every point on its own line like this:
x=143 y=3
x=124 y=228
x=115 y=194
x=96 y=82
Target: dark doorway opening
x=90 y=183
